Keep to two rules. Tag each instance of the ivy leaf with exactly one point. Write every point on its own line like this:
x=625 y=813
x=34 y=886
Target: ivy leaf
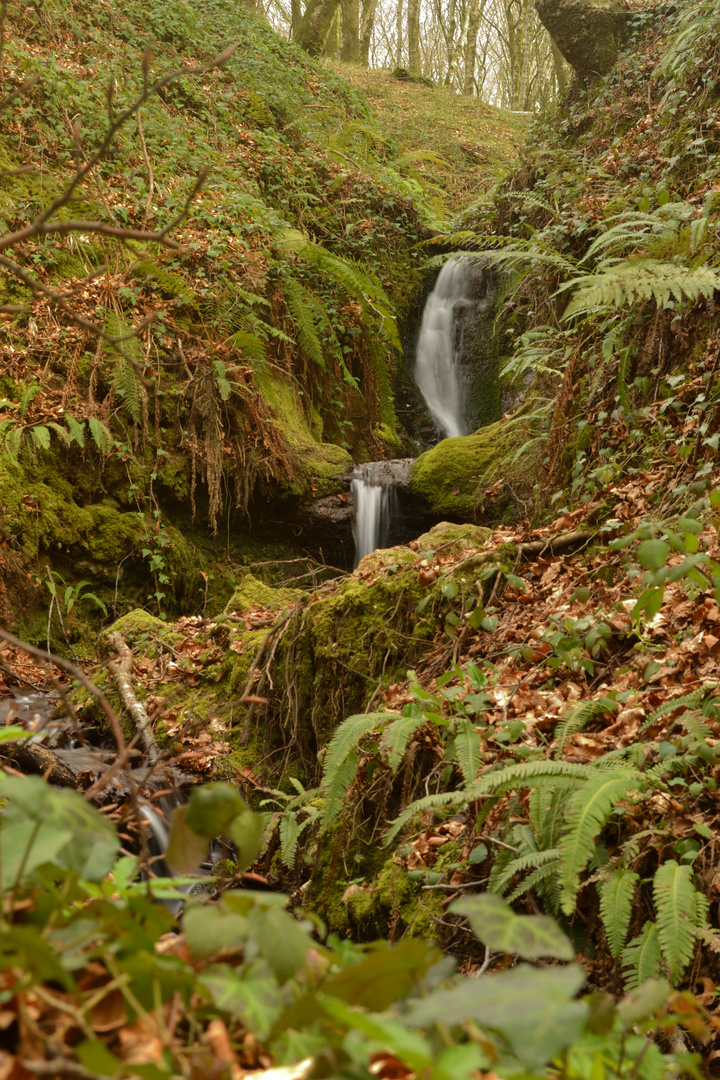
x=495 y=924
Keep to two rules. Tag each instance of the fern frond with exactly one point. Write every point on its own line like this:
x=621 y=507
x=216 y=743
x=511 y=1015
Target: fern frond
x=687 y=701
x=171 y=283
x=301 y=308
x=468 y=746
x=345 y=739
x=676 y=911
x=638 y=280
x=101 y=436
x=337 y=788
x=128 y=353
x=528 y=774
x=578 y=716
x=251 y=345
x=429 y=802
x=588 y=810
x=289 y=832
x=533 y=860
x=616 y=897
x=545 y=881
x=553 y=822
x=396 y=738
x=693 y=722
x=641 y=957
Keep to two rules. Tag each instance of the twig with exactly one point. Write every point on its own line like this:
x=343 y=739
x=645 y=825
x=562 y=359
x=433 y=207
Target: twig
x=121 y=671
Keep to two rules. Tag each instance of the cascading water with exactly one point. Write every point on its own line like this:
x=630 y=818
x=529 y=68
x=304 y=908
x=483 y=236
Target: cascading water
x=374 y=490
x=448 y=321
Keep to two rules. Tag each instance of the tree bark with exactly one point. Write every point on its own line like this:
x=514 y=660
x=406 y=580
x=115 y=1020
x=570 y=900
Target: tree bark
x=331 y=48
x=315 y=25
x=350 y=31
x=559 y=66
x=369 y=8
x=470 y=58
x=399 y=34
x=121 y=671
x=413 y=36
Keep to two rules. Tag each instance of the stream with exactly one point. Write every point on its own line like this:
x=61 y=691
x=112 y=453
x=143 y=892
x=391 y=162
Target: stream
x=443 y=364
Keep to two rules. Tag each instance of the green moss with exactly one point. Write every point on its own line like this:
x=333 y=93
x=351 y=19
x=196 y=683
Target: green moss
x=454 y=474
x=137 y=626
x=452 y=538
x=315 y=465
x=389 y=906
x=254 y=593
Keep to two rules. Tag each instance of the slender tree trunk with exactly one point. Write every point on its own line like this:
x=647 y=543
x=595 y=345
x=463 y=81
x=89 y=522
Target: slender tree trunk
x=315 y=25
x=296 y=17
x=399 y=34
x=559 y=65
x=350 y=37
x=413 y=35
x=475 y=13
x=369 y=7
x=525 y=61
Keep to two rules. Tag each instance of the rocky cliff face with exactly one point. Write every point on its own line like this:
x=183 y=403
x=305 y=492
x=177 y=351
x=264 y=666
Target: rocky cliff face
x=589 y=33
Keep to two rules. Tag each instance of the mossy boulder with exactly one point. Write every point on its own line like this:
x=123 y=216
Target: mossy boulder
x=453 y=477
x=137 y=628
x=589 y=33
x=452 y=538
x=251 y=592
x=315 y=466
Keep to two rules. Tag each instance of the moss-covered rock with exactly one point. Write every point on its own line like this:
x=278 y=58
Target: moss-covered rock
x=452 y=538
x=316 y=466
x=252 y=592
x=588 y=33
x=453 y=476
x=139 y=627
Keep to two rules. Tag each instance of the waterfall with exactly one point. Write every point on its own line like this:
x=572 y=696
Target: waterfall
x=446 y=331
x=374 y=489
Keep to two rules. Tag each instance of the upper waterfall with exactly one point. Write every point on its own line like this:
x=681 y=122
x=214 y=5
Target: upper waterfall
x=446 y=333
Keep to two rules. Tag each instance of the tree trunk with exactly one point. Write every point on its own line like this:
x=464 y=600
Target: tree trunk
x=296 y=17
x=399 y=34
x=525 y=58
x=315 y=24
x=559 y=65
x=470 y=57
x=369 y=8
x=413 y=36
x=331 y=48
x=350 y=35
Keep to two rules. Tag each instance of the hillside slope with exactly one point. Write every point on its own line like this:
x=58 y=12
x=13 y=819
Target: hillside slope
x=266 y=343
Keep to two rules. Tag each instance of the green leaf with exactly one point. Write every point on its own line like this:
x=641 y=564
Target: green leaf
x=498 y=927
x=653 y=554
x=101 y=435
x=280 y=939
x=247 y=992
x=641 y=957
x=643 y=1002
x=246 y=832
x=449 y=590
x=411 y=1048
x=533 y=1008
x=211 y=808
x=186 y=848
x=76 y=429
x=210 y=928
x=94 y=1056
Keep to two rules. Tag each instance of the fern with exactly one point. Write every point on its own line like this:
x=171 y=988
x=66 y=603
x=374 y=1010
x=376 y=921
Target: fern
x=341 y=763
x=532 y=860
x=396 y=737
x=616 y=897
x=171 y=283
x=544 y=881
x=693 y=722
x=528 y=774
x=578 y=716
x=468 y=750
x=125 y=380
x=639 y=280
x=587 y=812
x=302 y=310
x=641 y=958
x=677 y=912
x=251 y=345
x=429 y=802
x=101 y=436
x=688 y=701
x=552 y=824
